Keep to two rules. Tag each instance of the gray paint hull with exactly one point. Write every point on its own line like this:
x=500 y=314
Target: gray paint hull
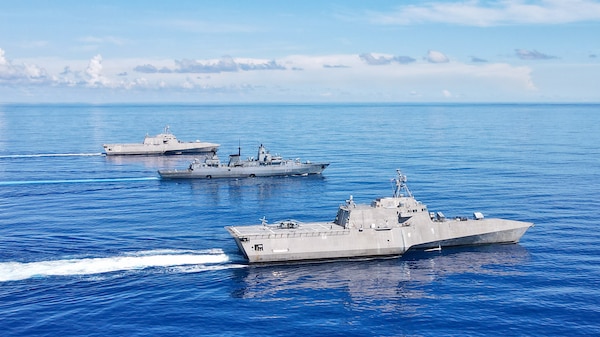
x=143 y=149
x=316 y=241
x=245 y=171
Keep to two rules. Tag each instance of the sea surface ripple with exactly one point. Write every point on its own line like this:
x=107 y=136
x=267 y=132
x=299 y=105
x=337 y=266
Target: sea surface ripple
x=101 y=246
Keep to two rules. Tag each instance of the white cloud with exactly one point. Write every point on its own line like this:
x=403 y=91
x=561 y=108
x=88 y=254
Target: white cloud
x=373 y=59
x=525 y=54
x=103 y=40
x=94 y=72
x=305 y=77
x=480 y=13
x=224 y=64
x=3 y=61
x=12 y=73
x=434 y=56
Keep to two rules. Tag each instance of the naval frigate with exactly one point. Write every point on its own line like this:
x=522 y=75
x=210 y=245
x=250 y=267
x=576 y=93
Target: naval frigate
x=264 y=165
x=389 y=226
x=162 y=144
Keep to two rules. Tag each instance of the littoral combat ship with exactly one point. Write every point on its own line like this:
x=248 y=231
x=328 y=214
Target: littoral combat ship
x=388 y=227
x=265 y=165
x=162 y=144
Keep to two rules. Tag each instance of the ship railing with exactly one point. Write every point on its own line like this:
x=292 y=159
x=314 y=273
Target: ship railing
x=297 y=234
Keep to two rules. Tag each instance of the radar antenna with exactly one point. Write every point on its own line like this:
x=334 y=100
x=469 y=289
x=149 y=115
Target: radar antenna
x=400 y=185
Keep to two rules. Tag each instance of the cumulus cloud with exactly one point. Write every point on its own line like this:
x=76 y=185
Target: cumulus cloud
x=525 y=54
x=404 y=59
x=66 y=70
x=146 y=68
x=335 y=66
x=491 y=13
x=21 y=73
x=94 y=72
x=3 y=60
x=373 y=60
x=434 y=56
x=269 y=65
x=341 y=75
x=225 y=64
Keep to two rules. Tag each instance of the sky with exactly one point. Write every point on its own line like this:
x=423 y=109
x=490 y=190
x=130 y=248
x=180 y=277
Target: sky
x=499 y=51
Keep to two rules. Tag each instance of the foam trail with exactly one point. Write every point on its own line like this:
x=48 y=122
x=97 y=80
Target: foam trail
x=39 y=155
x=15 y=271
x=75 y=181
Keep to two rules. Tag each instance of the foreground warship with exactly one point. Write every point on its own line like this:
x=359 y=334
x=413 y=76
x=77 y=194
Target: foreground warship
x=162 y=144
x=388 y=227
x=265 y=165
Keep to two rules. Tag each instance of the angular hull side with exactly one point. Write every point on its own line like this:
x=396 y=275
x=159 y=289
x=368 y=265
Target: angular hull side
x=470 y=232
x=244 y=171
x=506 y=237
x=159 y=149
x=334 y=244
x=313 y=243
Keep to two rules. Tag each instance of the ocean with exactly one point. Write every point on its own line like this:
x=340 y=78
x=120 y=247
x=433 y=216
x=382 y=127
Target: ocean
x=101 y=246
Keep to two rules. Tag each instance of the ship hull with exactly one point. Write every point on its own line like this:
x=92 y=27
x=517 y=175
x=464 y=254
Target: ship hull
x=144 y=149
x=244 y=171
x=321 y=241
x=501 y=237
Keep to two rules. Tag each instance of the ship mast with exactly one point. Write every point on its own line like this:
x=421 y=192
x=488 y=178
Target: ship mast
x=400 y=185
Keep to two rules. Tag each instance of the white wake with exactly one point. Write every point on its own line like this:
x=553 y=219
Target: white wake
x=75 y=181
x=42 y=155
x=188 y=261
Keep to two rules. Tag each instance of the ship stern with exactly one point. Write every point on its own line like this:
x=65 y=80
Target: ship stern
x=238 y=240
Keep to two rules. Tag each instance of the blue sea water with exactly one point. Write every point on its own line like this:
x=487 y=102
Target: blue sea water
x=100 y=246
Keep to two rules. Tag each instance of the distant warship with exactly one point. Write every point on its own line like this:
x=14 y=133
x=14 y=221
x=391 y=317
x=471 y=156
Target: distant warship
x=162 y=144
x=265 y=165
x=388 y=227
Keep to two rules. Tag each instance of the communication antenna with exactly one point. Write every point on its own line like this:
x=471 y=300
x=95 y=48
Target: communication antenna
x=400 y=185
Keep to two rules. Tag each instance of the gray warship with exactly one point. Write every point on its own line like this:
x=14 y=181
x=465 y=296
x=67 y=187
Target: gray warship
x=265 y=165
x=162 y=144
x=389 y=226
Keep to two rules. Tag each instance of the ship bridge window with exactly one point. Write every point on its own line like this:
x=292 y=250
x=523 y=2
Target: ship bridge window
x=342 y=217
x=258 y=247
x=403 y=218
